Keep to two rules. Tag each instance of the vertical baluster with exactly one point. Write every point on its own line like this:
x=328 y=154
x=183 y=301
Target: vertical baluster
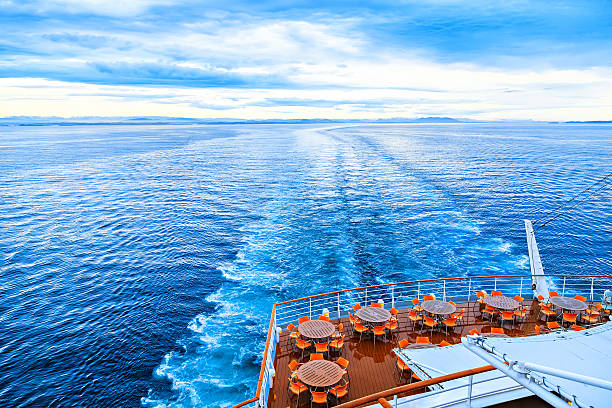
x=444 y=290
x=338 y=304
x=592 y=282
x=310 y=308
x=563 y=290
x=366 y=297
x=469 y=396
x=392 y=297
x=521 y=288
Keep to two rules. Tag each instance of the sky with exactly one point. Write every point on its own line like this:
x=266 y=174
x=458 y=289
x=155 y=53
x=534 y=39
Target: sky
x=516 y=60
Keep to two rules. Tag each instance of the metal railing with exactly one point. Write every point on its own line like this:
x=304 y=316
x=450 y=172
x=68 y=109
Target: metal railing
x=399 y=295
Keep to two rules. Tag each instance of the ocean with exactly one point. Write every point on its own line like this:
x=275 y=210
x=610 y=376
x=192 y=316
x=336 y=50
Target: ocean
x=138 y=264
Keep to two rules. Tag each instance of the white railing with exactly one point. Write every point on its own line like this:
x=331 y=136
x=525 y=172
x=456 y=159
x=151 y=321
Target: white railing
x=400 y=295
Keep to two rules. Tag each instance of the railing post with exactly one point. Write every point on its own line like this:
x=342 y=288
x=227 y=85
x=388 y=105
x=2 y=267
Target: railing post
x=338 y=305
x=495 y=283
x=392 y=297
x=592 y=282
x=469 y=397
x=395 y=400
x=419 y=290
x=469 y=289
x=444 y=290
x=366 y=297
x=521 y=289
x=563 y=290
x=310 y=308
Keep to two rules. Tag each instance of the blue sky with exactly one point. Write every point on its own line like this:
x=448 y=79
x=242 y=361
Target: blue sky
x=542 y=60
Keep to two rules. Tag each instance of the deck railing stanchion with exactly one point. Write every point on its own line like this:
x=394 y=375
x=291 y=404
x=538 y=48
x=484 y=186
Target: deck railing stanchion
x=495 y=283
x=563 y=290
x=469 y=289
x=592 y=282
x=392 y=297
x=521 y=288
x=469 y=390
x=395 y=400
x=444 y=290
x=310 y=308
x=419 y=290
x=338 y=305
x=366 y=297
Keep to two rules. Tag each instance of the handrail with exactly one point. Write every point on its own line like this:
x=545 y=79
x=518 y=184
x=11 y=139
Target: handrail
x=435 y=280
x=243 y=403
x=384 y=403
x=414 y=386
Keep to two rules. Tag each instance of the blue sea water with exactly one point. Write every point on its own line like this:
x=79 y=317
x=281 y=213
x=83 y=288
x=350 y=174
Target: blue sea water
x=138 y=264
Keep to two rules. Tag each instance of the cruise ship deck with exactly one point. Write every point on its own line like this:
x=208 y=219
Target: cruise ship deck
x=372 y=368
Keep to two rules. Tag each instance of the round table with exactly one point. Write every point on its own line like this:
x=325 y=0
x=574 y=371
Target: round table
x=438 y=307
x=316 y=329
x=373 y=315
x=320 y=373
x=568 y=303
x=501 y=302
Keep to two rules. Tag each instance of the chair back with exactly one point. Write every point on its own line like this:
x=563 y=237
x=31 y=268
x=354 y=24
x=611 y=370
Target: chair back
x=452 y=303
x=290 y=326
x=445 y=343
x=508 y=315
x=393 y=311
x=316 y=356
x=323 y=317
x=552 y=294
x=319 y=396
x=343 y=362
x=303 y=319
x=481 y=293
x=422 y=339
x=403 y=343
x=415 y=301
x=496 y=293
x=497 y=330
x=430 y=297
x=356 y=307
x=518 y=298
x=552 y=325
x=538 y=330
x=580 y=298
x=340 y=327
x=293 y=365
x=376 y=305
x=474 y=332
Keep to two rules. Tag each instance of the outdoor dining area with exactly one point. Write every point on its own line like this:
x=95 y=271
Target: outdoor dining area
x=323 y=355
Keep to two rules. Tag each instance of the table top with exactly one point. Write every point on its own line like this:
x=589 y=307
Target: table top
x=320 y=373
x=501 y=302
x=373 y=314
x=568 y=303
x=316 y=329
x=438 y=307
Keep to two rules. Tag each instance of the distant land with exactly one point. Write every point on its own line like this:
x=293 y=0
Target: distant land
x=160 y=120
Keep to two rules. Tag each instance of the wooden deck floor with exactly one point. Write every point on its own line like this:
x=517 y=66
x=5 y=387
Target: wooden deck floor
x=371 y=369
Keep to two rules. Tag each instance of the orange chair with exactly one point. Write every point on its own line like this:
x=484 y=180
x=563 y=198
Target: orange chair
x=444 y=343
x=546 y=311
x=552 y=294
x=401 y=367
x=394 y=312
x=303 y=319
x=538 y=330
x=415 y=305
x=356 y=307
x=508 y=317
x=552 y=325
x=429 y=322
x=450 y=322
x=519 y=299
x=339 y=391
x=452 y=303
x=322 y=348
x=570 y=317
x=481 y=295
x=591 y=318
x=413 y=317
x=360 y=328
x=423 y=340
x=293 y=334
x=497 y=330
x=392 y=327
x=378 y=331
x=474 y=332
x=352 y=320
x=458 y=316
x=496 y=293
x=302 y=345
x=403 y=343
x=344 y=363
x=318 y=397
x=323 y=317
x=490 y=311
x=316 y=356
x=376 y=305
x=521 y=312
x=296 y=388
x=575 y=327
x=337 y=344
x=542 y=303
x=338 y=333
x=430 y=297
x=293 y=365
x=580 y=298
x=596 y=308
